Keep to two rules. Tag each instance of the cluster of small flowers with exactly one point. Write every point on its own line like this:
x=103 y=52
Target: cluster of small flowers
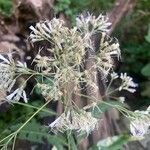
x=69 y=49
x=77 y=121
x=45 y=30
x=6 y=77
x=67 y=52
x=49 y=91
x=109 y=48
x=8 y=71
x=140 y=120
x=70 y=44
x=88 y=23
x=140 y=125
x=126 y=82
x=43 y=63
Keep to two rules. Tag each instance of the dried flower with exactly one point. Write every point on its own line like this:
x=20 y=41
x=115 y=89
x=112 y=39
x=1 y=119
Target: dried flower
x=42 y=62
x=8 y=70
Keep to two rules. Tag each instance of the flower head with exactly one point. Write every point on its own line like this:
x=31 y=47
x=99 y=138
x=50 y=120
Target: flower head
x=122 y=99
x=138 y=128
x=50 y=91
x=7 y=73
x=16 y=95
x=77 y=121
x=92 y=24
x=114 y=75
x=140 y=125
x=127 y=83
x=8 y=70
x=109 y=48
x=45 y=30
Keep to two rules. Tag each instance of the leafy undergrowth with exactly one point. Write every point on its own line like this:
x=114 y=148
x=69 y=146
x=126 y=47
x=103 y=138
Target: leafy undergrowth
x=6 y=7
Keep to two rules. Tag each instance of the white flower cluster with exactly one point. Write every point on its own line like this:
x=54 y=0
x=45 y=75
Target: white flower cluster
x=126 y=82
x=8 y=70
x=42 y=63
x=77 y=121
x=76 y=40
x=66 y=65
x=109 y=48
x=44 y=30
x=67 y=54
x=92 y=24
x=6 y=73
x=50 y=91
x=140 y=126
x=16 y=95
x=89 y=25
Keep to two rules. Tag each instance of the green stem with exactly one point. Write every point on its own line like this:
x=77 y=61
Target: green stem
x=118 y=107
x=109 y=86
x=34 y=107
x=14 y=141
x=32 y=116
x=6 y=137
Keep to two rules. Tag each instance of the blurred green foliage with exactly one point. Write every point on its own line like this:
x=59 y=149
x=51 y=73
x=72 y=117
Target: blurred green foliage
x=6 y=7
x=35 y=132
x=147 y=37
x=112 y=143
x=99 y=109
x=134 y=35
x=71 y=8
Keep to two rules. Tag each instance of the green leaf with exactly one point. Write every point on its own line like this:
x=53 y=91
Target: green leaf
x=146 y=70
x=147 y=37
x=6 y=7
x=73 y=145
x=146 y=89
x=36 y=105
x=35 y=132
x=111 y=143
x=102 y=107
